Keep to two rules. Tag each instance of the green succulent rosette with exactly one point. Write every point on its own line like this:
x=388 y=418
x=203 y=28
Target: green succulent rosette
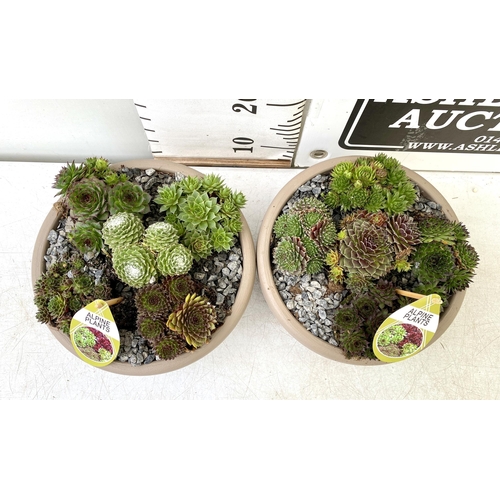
x=174 y=260
x=199 y=212
x=88 y=199
x=134 y=265
x=128 y=197
x=86 y=236
x=160 y=235
x=121 y=229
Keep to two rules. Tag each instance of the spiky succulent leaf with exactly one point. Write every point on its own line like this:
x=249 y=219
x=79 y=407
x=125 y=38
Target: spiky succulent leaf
x=88 y=199
x=195 y=320
x=175 y=260
x=346 y=318
x=128 y=197
x=56 y=306
x=134 y=265
x=122 y=229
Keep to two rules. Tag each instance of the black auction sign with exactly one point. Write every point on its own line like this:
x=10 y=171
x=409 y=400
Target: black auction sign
x=424 y=125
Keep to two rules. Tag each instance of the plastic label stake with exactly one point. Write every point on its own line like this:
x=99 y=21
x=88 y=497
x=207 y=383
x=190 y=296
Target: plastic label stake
x=94 y=334
x=409 y=329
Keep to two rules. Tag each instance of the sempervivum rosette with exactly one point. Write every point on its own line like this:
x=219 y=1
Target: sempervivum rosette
x=88 y=199
x=128 y=197
x=365 y=249
x=404 y=235
x=122 y=229
x=160 y=235
x=175 y=260
x=290 y=255
x=134 y=265
x=195 y=321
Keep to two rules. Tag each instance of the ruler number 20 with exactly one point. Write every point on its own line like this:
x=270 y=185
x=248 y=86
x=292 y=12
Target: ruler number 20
x=244 y=141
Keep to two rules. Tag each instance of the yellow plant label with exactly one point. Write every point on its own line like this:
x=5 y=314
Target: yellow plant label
x=408 y=330
x=94 y=334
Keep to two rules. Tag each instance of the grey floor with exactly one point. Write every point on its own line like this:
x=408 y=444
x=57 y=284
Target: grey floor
x=259 y=359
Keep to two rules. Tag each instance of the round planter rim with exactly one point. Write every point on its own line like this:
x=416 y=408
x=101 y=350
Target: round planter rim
x=220 y=334
x=270 y=291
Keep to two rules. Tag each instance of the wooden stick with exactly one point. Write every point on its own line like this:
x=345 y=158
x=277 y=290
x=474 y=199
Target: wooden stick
x=413 y=295
x=112 y=302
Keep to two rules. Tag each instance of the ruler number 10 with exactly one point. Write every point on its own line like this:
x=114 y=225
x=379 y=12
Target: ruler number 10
x=244 y=141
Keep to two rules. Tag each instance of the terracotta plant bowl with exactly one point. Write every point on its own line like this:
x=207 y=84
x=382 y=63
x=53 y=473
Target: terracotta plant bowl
x=218 y=336
x=270 y=291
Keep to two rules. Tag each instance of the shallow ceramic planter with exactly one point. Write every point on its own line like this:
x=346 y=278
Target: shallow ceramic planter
x=270 y=291
x=218 y=336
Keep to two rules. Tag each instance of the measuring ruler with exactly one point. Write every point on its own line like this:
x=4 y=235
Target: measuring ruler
x=237 y=132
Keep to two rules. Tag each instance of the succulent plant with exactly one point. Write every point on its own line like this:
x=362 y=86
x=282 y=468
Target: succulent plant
x=287 y=225
x=290 y=255
x=128 y=197
x=174 y=260
x=160 y=235
x=442 y=230
x=221 y=239
x=195 y=320
x=324 y=235
x=433 y=262
x=151 y=329
x=88 y=199
x=212 y=183
x=122 y=229
x=370 y=183
x=152 y=301
x=365 y=249
x=134 y=265
x=64 y=289
x=346 y=318
x=404 y=235
x=466 y=256
x=355 y=344
x=86 y=236
x=199 y=212
x=178 y=287
x=169 y=197
x=170 y=346
x=310 y=211
x=67 y=176
x=200 y=244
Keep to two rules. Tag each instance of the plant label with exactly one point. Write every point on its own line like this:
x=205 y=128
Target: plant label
x=408 y=330
x=94 y=334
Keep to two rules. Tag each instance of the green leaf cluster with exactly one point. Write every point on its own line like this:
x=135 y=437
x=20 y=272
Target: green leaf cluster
x=205 y=212
x=372 y=184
